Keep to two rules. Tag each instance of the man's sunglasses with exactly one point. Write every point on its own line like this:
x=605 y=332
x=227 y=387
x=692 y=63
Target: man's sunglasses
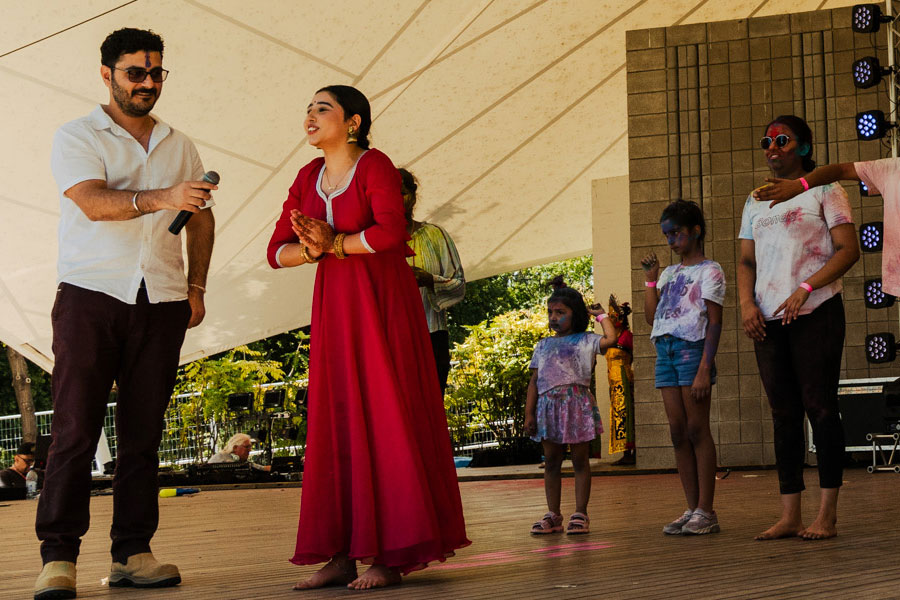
x=138 y=75
x=780 y=141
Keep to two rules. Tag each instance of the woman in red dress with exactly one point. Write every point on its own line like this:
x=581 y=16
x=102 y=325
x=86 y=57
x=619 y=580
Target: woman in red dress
x=379 y=483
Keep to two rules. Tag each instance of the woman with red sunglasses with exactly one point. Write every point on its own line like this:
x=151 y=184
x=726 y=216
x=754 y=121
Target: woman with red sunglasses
x=792 y=257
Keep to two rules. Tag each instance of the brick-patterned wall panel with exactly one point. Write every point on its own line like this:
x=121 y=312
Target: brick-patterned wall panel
x=699 y=98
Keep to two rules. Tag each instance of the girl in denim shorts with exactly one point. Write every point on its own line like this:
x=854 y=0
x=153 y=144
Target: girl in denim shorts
x=684 y=306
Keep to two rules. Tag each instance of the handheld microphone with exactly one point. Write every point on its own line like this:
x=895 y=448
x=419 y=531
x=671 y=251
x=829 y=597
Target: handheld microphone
x=183 y=216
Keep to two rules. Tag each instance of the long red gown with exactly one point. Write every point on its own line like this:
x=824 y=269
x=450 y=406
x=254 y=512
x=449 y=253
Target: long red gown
x=379 y=481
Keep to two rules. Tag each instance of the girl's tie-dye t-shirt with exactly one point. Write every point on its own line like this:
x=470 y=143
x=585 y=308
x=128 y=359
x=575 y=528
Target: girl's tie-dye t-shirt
x=564 y=360
x=683 y=290
x=793 y=241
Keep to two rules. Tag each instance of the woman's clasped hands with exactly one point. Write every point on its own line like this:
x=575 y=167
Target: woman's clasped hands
x=316 y=235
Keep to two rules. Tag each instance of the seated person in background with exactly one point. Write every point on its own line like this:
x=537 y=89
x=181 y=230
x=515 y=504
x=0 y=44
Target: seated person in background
x=22 y=462
x=236 y=449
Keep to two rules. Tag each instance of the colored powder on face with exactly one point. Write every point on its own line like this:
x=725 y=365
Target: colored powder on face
x=777 y=129
x=146 y=60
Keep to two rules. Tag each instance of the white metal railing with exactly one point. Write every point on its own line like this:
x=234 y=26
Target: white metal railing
x=180 y=445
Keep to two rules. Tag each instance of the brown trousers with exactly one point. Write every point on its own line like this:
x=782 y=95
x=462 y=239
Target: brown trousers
x=97 y=340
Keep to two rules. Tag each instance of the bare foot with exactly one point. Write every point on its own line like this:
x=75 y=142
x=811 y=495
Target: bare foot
x=376 y=576
x=333 y=573
x=781 y=529
x=821 y=529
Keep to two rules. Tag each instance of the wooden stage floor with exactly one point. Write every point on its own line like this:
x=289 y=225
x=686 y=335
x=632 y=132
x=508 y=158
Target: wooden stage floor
x=235 y=545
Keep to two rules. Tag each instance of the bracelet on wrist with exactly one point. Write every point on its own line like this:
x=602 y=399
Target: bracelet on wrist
x=651 y=284
x=807 y=287
x=198 y=286
x=308 y=257
x=804 y=183
x=339 y=246
x=134 y=204
x=600 y=317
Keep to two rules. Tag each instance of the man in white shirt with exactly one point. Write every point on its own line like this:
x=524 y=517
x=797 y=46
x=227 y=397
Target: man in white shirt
x=237 y=450
x=122 y=307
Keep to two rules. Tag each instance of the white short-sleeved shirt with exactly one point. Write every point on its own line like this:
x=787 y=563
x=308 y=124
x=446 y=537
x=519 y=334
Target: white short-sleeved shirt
x=683 y=290
x=883 y=177
x=565 y=360
x=793 y=241
x=114 y=256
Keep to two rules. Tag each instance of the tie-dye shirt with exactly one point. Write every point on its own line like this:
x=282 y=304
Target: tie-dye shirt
x=436 y=253
x=683 y=290
x=793 y=241
x=883 y=177
x=564 y=360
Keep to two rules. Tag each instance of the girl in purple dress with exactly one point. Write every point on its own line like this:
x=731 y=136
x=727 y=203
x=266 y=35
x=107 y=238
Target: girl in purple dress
x=560 y=408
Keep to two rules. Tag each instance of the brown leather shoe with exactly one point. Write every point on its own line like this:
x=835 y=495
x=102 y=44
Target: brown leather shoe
x=57 y=580
x=143 y=571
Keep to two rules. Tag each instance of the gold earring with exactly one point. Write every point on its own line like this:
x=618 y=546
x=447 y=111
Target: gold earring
x=351 y=135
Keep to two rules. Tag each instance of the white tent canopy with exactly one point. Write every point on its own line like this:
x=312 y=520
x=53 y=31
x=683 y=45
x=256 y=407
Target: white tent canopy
x=504 y=109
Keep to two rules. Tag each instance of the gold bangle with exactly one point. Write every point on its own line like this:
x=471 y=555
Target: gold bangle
x=339 y=245
x=307 y=257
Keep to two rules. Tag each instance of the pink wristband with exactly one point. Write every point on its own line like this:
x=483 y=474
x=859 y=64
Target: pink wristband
x=600 y=317
x=650 y=283
x=806 y=287
x=804 y=183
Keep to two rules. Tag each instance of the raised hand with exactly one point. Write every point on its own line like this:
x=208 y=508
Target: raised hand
x=650 y=264
x=596 y=309
x=778 y=190
x=315 y=234
x=187 y=195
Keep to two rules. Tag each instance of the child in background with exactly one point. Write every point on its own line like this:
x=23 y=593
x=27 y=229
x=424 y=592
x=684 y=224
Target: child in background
x=560 y=408
x=621 y=384
x=685 y=309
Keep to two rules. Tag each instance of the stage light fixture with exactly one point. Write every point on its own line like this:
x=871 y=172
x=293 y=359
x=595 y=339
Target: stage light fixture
x=274 y=399
x=881 y=347
x=867 y=18
x=871 y=236
x=874 y=296
x=240 y=401
x=871 y=125
x=867 y=72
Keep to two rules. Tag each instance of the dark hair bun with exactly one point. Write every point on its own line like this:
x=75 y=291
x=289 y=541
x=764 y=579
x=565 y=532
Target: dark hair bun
x=558 y=282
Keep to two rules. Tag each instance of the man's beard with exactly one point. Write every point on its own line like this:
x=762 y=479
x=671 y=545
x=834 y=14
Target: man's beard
x=124 y=100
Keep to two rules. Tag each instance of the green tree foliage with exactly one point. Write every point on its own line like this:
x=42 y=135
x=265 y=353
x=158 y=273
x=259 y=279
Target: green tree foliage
x=491 y=379
x=40 y=387
x=525 y=288
x=210 y=381
x=290 y=349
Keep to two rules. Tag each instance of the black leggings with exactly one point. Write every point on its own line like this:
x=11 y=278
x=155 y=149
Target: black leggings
x=800 y=367
x=440 y=345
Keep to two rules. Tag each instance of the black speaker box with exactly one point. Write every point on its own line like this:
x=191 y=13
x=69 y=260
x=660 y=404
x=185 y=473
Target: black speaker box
x=867 y=409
